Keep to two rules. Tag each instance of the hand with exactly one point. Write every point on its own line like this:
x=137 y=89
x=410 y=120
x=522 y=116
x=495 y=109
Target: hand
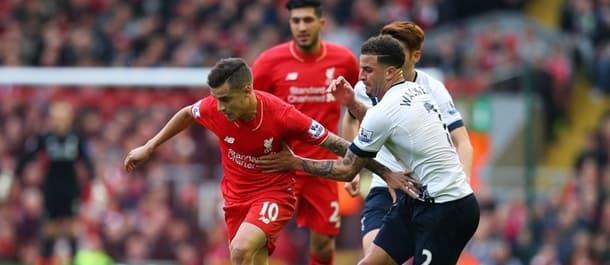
x=342 y=91
x=137 y=156
x=402 y=181
x=353 y=187
x=278 y=161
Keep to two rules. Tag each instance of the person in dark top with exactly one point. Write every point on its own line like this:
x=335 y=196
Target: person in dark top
x=63 y=148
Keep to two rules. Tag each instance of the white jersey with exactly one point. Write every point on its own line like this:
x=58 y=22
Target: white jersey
x=408 y=126
x=438 y=91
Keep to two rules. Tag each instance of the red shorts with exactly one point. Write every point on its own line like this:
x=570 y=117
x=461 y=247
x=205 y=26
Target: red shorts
x=269 y=212
x=318 y=204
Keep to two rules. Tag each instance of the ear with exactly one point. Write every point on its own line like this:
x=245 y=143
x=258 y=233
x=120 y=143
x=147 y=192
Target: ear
x=416 y=56
x=248 y=88
x=390 y=72
x=322 y=22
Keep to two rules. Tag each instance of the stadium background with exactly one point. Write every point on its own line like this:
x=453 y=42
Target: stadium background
x=531 y=78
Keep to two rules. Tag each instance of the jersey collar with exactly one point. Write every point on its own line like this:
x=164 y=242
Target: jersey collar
x=306 y=57
x=375 y=100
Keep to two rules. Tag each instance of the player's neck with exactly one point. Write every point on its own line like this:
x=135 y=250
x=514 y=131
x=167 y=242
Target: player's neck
x=312 y=49
x=396 y=79
x=409 y=73
x=252 y=104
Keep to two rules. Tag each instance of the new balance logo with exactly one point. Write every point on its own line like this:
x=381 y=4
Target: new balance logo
x=229 y=140
x=292 y=76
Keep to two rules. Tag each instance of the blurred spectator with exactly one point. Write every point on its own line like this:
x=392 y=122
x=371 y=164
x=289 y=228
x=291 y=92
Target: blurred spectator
x=63 y=147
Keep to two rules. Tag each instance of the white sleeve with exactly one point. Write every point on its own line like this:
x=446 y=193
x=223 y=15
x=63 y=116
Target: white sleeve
x=451 y=116
x=374 y=131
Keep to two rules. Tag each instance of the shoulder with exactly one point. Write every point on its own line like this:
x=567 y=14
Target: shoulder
x=207 y=101
x=429 y=80
x=280 y=112
x=377 y=115
x=272 y=102
x=274 y=53
x=435 y=87
x=404 y=86
x=395 y=97
x=338 y=49
x=203 y=106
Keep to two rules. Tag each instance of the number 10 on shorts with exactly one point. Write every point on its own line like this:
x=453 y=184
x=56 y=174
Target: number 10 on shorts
x=269 y=212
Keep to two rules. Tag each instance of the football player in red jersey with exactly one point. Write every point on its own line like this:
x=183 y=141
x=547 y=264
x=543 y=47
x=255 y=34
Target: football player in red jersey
x=299 y=71
x=251 y=124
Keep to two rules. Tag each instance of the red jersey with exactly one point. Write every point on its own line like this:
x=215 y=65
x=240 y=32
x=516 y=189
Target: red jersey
x=301 y=80
x=241 y=143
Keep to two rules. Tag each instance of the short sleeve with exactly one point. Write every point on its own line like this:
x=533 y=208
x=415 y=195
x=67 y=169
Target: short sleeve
x=196 y=109
x=200 y=112
x=374 y=131
x=451 y=116
x=303 y=128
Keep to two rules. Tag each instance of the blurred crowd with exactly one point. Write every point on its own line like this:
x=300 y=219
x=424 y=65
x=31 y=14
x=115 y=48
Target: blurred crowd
x=570 y=226
x=587 y=26
x=190 y=32
x=169 y=209
x=130 y=217
x=567 y=227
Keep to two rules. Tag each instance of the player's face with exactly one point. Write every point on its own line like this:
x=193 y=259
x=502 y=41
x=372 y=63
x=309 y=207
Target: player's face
x=230 y=101
x=305 y=27
x=61 y=118
x=372 y=74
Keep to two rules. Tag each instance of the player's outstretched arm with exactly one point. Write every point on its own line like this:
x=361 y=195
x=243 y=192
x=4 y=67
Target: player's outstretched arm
x=344 y=93
x=343 y=169
x=180 y=121
x=346 y=168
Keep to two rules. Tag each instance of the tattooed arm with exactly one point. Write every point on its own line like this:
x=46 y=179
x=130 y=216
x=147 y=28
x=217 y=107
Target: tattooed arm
x=344 y=169
x=347 y=167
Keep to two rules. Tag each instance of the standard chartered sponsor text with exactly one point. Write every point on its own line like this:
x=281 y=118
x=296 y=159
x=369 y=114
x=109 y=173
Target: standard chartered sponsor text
x=309 y=94
x=307 y=90
x=246 y=161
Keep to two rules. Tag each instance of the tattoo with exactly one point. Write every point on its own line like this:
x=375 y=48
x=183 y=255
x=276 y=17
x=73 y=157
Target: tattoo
x=377 y=168
x=318 y=167
x=343 y=169
x=336 y=144
x=352 y=160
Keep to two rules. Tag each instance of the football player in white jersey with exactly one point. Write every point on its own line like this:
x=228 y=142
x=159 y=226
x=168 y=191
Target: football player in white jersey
x=433 y=227
x=378 y=201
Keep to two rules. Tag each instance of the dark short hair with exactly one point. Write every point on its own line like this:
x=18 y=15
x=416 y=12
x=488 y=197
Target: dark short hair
x=235 y=71
x=387 y=49
x=315 y=4
x=408 y=33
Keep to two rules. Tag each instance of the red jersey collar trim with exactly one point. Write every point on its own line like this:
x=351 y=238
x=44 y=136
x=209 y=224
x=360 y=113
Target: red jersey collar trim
x=302 y=57
x=262 y=113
